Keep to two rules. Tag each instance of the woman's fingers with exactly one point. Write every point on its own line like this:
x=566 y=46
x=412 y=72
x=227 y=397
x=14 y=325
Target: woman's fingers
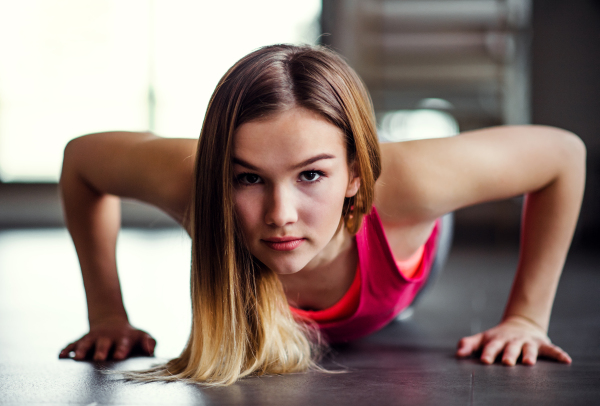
x=491 y=351
x=468 y=345
x=512 y=338
x=103 y=345
x=512 y=351
x=66 y=351
x=110 y=341
x=530 y=353
x=122 y=349
x=148 y=344
x=82 y=347
x=554 y=352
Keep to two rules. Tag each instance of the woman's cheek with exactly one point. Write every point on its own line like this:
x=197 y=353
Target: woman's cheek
x=247 y=208
x=323 y=207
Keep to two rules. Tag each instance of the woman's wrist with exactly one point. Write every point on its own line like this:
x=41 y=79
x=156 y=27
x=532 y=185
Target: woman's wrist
x=108 y=317
x=529 y=321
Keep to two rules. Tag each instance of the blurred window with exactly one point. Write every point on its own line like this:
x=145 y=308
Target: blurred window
x=419 y=124
x=72 y=67
x=473 y=54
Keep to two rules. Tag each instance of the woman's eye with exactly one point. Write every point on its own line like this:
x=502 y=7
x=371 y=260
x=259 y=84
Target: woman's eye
x=248 y=179
x=311 y=176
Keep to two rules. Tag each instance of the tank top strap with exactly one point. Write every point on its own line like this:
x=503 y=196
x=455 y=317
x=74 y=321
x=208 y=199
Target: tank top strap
x=380 y=275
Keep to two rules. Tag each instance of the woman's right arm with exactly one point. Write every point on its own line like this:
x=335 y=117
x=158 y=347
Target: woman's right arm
x=97 y=170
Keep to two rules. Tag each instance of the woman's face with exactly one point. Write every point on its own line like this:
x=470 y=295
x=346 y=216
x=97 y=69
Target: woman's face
x=291 y=178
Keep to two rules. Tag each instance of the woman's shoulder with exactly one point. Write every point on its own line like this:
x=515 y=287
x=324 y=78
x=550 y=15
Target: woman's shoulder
x=400 y=189
x=402 y=197
x=168 y=167
x=175 y=162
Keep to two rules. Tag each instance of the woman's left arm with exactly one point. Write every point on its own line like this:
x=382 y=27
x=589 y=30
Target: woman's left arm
x=548 y=166
x=549 y=219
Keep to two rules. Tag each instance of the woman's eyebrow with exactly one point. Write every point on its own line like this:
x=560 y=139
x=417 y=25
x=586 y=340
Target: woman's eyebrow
x=241 y=162
x=308 y=161
x=313 y=160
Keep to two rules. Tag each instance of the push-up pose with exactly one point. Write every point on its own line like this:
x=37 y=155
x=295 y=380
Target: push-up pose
x=304 y=228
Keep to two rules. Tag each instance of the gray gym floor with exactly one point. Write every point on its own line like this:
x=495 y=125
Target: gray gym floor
x=42 y=308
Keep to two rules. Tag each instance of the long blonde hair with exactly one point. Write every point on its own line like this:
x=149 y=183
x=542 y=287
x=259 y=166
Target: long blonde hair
x=241 y=322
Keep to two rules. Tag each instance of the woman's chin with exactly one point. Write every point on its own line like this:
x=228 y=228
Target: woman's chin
x=285 y=263
x=286 y=267
x=286 y=270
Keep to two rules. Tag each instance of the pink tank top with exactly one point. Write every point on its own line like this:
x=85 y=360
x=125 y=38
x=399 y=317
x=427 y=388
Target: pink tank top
x=382 y=289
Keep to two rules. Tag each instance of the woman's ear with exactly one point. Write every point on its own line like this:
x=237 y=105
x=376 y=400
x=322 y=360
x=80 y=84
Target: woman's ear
x=354 y=183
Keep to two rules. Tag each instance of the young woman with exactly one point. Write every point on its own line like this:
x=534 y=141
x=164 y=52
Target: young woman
x=304 y=227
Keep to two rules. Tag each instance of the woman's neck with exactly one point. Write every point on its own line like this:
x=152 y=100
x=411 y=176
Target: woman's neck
x=325 y=279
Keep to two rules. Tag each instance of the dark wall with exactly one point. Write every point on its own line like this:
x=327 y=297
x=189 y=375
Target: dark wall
x=566 y=87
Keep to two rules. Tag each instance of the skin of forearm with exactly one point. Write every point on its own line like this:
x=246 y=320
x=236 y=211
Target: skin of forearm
x=549 y=219
x=93 y=220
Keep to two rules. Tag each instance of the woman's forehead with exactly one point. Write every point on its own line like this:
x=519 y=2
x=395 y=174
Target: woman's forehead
x=296 y=131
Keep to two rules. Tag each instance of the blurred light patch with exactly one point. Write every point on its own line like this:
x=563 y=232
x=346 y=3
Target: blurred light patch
x=72 y=67
x=407 y=125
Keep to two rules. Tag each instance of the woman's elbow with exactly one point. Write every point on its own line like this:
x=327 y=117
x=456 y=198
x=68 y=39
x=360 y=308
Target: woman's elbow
x=574 y=149
x=75 y=154
x=573 y=154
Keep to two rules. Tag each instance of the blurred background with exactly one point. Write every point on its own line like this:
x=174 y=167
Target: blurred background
x=434 y=68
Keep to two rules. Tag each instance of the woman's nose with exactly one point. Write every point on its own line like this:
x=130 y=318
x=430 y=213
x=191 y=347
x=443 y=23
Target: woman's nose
x=281 y=209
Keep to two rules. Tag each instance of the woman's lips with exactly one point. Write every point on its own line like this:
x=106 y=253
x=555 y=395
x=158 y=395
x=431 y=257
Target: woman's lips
x=283 y=244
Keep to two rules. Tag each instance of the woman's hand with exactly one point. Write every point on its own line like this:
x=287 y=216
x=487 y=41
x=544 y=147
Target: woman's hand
x=117 y=335
x=513 y=337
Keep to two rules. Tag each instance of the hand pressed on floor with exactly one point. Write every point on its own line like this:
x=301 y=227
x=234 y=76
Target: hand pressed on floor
x=513 y=337
x=118 y=336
